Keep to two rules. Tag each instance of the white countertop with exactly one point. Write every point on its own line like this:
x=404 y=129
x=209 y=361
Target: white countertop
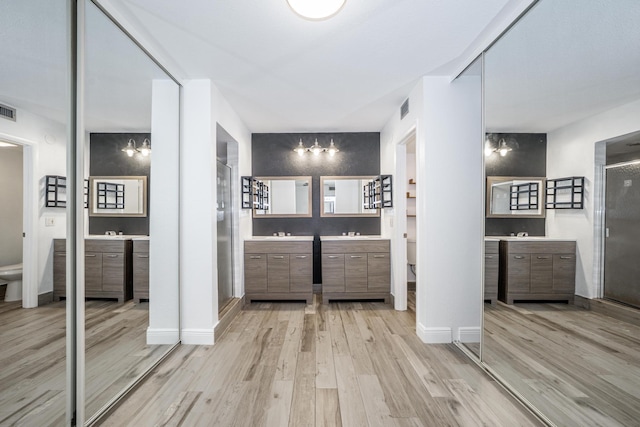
x=282 y=238
x=325 y=238
x=117 y=237
x=533 y=239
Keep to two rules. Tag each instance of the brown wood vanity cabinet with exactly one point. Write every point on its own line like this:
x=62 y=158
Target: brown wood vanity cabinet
x=537 y=270
x=107 y=269
x=491 y=263
x=140 y=270
x=358 y=269
x=278 y=270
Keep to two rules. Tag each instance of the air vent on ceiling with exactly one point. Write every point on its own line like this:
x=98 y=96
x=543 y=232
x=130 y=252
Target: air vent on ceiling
x=7 y=112
x=404 y=109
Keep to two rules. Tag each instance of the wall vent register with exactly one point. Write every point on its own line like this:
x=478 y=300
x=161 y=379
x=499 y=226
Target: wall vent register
x=7 y=112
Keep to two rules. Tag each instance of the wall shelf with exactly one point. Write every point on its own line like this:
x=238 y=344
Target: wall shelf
x=524 y=196
x=565 y=193
x=246 y=185
x=55 y=191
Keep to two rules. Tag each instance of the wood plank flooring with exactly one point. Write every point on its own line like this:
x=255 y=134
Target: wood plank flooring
x=579 y=367
x=340 y=364
x=33 y=358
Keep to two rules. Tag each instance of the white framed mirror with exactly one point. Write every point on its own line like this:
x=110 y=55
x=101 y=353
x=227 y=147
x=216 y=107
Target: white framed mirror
x=344 y=196
x=282 y=197
x=510 y=197
x=121 y=196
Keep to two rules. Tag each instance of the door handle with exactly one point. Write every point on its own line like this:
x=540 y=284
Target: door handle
x=143 y=256
x=378 y=256
x=112 y=256
x=278 y=257
x=89 y=255
x=518 y=257
x=566 y=257
x=301 y=256
x=543 y=257
x=255 y=257
x=356 y=256
x=332 y=256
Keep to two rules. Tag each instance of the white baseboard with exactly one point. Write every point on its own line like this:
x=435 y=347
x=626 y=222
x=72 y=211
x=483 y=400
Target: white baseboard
x=469 y=334
x=160 y=336
x=197 y=336
x=434 y=335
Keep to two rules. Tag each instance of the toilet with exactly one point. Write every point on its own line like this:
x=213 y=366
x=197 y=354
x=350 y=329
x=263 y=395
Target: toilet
x=411 y=251
x=12 y=274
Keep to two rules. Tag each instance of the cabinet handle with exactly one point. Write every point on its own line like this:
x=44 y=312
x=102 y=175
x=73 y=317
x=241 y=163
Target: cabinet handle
x=356 y=256
x=488 y=256
x=566 y=257
x=143 y=256
x=301 y=256
x=543 y=257
x=89 y=255
x=278 y=257
x=378 y=256
x=518 y=257
x=60 y=254
x=112 y=256
x=255 y=257
x=333 y=256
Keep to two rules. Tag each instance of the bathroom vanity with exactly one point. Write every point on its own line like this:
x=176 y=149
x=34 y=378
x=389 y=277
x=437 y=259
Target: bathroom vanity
x=537 y=268
x=107 y=267
x=279 y=268
x=355 y=268
x=491 y=269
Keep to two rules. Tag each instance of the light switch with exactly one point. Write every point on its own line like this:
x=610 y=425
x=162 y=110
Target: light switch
x=49 y=222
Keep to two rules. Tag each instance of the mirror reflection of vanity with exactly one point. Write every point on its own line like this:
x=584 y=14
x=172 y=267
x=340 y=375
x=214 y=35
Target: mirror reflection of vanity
x=508 y=197
x=119 y=196
x=282 y=197
x=344 y=196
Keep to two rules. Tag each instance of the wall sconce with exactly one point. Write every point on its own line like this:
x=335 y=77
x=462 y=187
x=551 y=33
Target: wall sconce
x=316 y=148
x=131 y=149
x=503 y=149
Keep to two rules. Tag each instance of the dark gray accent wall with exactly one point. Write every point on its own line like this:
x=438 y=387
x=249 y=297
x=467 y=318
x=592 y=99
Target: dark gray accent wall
x=107 y=159
x=272 y=155
x=528 y=158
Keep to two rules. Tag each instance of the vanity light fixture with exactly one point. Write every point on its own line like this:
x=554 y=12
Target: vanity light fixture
x=488 y=149
x=300 y=148
x=316 y=10
x=130 y=149
x=503 y=149
x=145 y=150
x=316 y=148
x=332 y=148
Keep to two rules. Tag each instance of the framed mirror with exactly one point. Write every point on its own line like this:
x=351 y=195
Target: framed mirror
x=121 y=196
x=282 y=197
x=509 y=197
x=344 y=196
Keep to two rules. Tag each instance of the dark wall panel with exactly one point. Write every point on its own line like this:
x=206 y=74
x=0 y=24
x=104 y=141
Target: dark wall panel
x=528 y=158
x=107 y=159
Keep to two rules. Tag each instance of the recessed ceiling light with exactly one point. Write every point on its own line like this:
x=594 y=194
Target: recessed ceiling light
x=7 y=144
x=316 y=10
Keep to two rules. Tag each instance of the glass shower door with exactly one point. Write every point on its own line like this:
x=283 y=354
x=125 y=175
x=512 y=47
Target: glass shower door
x=225 y=244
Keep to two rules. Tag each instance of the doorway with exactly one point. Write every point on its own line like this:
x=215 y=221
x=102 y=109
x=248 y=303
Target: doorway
x=622 y=233
x=225 y=234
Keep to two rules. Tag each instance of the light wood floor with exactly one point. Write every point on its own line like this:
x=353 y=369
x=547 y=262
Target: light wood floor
x=33 y=358
x=341 y=364
x=581 y=368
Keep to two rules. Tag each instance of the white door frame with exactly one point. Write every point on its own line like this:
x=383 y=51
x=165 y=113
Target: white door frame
x=29 y=219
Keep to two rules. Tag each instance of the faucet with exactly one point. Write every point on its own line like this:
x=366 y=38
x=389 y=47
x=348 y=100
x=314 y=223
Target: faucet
x=110 y=233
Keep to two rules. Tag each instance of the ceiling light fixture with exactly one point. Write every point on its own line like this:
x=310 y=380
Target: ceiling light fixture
x=316 y=10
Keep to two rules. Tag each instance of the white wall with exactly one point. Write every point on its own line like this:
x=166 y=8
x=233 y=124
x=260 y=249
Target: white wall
x=10 y=205
x=450 y=211
x=571 y=152
x=203 y=107
x=47 y=140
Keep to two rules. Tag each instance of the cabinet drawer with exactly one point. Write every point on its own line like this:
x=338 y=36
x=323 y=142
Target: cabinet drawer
x=333 y=272
x=113 y=279
x=283 y=247
x=255 y=273
x=545 y=247
x=278 y=272
x=111 y=246
x=491 y=247
x=92 y=272
x=355 y=272
x=541 y=273
x=379 y=272
x=140 y=246
x=301 y=272
x=519 y=272
x=356 y=246
x=564 y=273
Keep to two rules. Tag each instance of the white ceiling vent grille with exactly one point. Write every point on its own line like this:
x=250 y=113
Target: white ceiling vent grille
x=7 y=112
x=404 y=109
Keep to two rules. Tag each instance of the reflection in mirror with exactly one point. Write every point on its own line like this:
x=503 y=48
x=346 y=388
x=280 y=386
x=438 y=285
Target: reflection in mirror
x=120 y=196
x=514 y=196
x=130 y=282
x=568 y=69
x=33 y=363
x=282 y=197
x=344 y=196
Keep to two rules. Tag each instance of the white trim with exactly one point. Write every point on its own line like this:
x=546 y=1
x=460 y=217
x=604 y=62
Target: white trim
x=469 y=334
x=197 y=336
x=433 y=335
x=161 y=336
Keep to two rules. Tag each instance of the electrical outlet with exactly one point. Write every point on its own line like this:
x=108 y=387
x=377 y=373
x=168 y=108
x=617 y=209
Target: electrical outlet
x=49 y=222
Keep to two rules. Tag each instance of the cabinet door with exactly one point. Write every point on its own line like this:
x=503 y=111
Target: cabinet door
x=379 y=272
x=332 y=272
x=141 y=273
x=518 y=272
x=278 y=272
x=541 y=273
x=355 y=272
x=113 y=279
x=92 y=272
x=564 y=273
x=255 y=273
x=60 y=273
x=491 y=265
x=301 y=272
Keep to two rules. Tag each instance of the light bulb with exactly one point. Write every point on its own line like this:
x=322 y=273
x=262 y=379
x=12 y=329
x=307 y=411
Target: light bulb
x=130 y=152
x=316 y=151
x=144 y=151
x=503 y=152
